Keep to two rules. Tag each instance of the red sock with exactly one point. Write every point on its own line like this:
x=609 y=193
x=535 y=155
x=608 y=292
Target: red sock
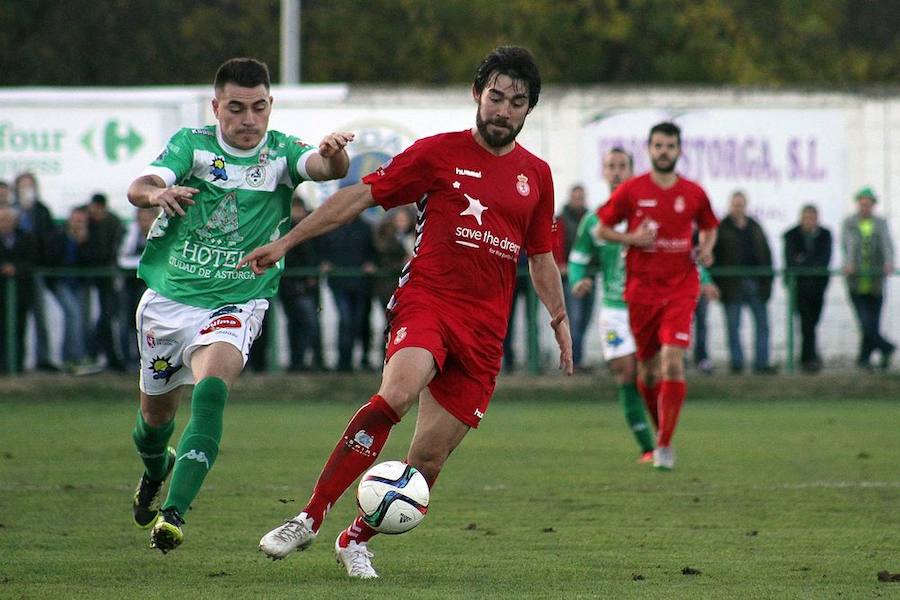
x=360 y=532
x=651 y=400
x=355 y=452
x=671 y=397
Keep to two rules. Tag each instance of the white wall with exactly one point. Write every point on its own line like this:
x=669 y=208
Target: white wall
x=83 y=140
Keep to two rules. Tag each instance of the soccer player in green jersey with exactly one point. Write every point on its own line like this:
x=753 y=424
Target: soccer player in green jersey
x=222 y=190
x=618 y=343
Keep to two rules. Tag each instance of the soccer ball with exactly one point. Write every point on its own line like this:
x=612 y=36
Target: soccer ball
x=392 y=497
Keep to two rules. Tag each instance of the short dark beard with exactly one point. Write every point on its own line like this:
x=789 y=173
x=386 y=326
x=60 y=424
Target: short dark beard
x=660 y=169
x=492 y=140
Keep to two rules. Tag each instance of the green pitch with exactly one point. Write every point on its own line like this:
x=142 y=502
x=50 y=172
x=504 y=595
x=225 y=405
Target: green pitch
x=784 y=487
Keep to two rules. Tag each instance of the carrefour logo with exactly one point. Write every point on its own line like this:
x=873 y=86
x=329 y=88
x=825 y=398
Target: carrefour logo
x=113 y=141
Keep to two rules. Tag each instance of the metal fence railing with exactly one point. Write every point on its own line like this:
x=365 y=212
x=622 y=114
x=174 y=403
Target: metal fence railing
x=532 y=305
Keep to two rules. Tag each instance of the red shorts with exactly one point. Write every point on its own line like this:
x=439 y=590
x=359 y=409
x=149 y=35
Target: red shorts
x=666 y=323
x=467 y=366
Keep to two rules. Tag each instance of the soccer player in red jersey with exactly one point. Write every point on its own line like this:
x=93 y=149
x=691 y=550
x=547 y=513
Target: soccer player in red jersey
x=482 y=199
x=661 y=209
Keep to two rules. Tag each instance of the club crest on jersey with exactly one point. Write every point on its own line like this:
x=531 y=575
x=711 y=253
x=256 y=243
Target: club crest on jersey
x=679 y=204
x=217 y=169
x=256 y=175
x=400 y=336
x=522 y=186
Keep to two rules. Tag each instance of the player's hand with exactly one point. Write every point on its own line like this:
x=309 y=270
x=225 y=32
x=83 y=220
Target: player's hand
x=263 y=257
x=560 y=325
x=643 y=236
x=704 y=257
x=583 y=287
x=173 y=199
x=710 y=291
x=333 y=143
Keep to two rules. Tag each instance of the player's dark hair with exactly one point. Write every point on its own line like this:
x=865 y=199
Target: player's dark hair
x=515 y=62
x=243 y=72
x=666 y=128
x=621 y=150
x=811 y=207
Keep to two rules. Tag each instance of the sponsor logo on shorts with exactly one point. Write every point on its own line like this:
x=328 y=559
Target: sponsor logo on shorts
x=400 y=336
x=162 y=368
x=198 y=455
x=224 y=322
x=613 y=339
x=478 y=414
x=683 y=336
x=231 y=308
x=522 y=185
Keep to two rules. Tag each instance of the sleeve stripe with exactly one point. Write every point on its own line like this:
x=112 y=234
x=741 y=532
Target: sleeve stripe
x=164 y=173
x=301 y=164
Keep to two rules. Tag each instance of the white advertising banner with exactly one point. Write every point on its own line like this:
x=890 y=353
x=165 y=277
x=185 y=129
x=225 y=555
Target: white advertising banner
x=76 y=151
x=782 y=159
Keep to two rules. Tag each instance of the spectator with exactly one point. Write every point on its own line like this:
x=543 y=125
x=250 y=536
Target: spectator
x=35 y=218
x=130 y=252
x=5 y=195
x=809 y=246
x=868 y=257
x=579 y=309
x=105 y=236
x=742 y=243
x=519 y=291
x=18 y=253
x=393 y=239
x=301 y=298
x=347 y=248
x=71 y=249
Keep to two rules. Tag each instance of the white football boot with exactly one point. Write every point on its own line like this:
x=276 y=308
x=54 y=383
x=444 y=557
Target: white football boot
x=356 y=558
x=295 y=534
x=664 y=458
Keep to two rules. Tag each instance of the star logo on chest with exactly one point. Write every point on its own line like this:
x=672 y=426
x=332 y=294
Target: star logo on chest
x=475 y=208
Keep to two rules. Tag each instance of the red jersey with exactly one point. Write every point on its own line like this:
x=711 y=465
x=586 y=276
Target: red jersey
x=476 y=213
x=665 y=269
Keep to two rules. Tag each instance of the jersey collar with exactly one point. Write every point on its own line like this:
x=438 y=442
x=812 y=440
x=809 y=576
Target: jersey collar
x=237 y=151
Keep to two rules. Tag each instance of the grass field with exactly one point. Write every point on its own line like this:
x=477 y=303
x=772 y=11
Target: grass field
x=785 y=487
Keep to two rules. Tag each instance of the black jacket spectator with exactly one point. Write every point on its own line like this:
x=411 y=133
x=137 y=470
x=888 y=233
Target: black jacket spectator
x=18 y=255
x=747 y=247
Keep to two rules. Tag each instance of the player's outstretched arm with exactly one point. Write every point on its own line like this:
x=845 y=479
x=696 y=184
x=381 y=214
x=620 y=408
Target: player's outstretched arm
x=148 y=191
x=331 y=161
x=548 y=285
x=342 y=207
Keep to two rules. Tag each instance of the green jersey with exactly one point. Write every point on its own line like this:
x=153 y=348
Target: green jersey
x=611 y=258
x=244 y=202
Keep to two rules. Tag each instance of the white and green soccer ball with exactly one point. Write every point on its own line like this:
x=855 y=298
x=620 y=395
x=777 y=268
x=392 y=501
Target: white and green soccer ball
x=392 y=497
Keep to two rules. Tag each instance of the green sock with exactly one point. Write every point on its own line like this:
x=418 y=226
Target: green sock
x=199 y=444
x=634 y=414
x=151 y=443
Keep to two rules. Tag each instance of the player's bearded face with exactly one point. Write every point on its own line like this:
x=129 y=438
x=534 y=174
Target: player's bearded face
x=502 y=108
x=243 y=114
x=664 y=152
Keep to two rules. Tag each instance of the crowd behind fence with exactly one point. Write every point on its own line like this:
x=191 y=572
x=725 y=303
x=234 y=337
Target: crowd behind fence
x=269 y=355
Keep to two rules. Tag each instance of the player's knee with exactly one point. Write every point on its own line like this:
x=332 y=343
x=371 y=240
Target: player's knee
x=673 y=370
x=399 y=400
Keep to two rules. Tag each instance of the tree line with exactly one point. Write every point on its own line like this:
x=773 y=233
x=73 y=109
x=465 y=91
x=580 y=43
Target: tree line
x=838 y=43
